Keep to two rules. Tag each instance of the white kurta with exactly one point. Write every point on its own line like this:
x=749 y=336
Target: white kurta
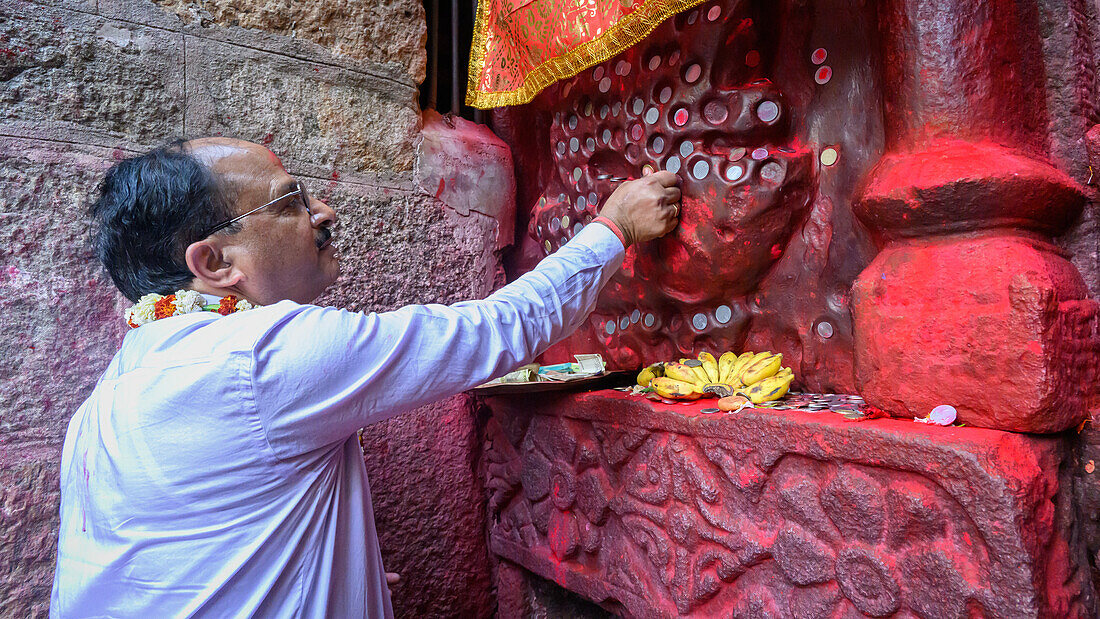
x=214 y=470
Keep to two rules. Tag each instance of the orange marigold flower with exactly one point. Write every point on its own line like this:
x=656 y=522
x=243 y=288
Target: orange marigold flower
x=164 y=307
x=228 y=305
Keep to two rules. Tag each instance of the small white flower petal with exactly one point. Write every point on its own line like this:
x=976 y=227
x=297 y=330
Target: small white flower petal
x=188 y=301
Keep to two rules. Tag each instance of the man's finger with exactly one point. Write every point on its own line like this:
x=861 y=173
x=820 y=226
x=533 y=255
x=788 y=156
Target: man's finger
x=665 y=178
x=392 y=578
x=672 y=195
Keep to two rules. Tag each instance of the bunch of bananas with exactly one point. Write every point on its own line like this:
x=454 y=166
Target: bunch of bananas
x=736 y=379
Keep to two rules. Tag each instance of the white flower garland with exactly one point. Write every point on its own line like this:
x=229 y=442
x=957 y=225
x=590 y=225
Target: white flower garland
x=154 y=306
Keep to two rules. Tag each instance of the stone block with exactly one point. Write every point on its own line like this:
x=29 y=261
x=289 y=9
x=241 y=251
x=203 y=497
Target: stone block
x=30 y=499
x=62 y=314
x=998 y=327
x=84 y=6
x=304 y=112
x=300 y=43
x=429 y=510
x=389 y=34
x=782 y=513
x=468 y=168
x=953 y=186
x=67 y=74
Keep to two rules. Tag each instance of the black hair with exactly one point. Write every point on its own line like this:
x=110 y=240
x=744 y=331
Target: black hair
x=149 y=209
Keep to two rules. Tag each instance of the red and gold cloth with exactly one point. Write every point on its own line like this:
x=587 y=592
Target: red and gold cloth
x=522 y=46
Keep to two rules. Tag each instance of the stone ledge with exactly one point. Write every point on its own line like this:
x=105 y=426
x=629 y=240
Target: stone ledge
x=143 y=13
x=658 y=510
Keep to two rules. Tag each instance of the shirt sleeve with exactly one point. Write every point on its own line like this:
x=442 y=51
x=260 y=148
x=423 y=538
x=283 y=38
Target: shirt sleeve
x=319 y=374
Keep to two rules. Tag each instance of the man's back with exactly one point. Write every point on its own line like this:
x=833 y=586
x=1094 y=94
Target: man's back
x=174 y=501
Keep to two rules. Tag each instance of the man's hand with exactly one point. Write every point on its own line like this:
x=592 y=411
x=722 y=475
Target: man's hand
x=646 y=208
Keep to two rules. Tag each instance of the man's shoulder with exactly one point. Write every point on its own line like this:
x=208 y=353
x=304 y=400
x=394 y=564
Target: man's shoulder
x=204 y=334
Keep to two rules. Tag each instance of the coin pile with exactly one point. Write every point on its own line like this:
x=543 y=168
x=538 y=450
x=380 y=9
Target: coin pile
x=850 y=406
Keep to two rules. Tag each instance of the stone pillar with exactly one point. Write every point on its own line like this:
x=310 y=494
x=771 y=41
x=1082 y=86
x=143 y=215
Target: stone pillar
x=969 y=302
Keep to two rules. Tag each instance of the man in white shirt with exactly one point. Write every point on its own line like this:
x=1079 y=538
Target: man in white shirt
x=214 y=469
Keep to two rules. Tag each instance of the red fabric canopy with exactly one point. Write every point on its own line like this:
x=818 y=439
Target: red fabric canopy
x=522 y=46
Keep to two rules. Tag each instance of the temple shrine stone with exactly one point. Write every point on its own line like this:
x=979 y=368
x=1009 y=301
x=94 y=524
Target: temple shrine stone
x=894 y=195
x=657 y=510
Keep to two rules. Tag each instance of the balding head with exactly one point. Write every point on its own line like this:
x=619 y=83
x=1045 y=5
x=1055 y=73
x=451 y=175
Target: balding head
x=235 y=164
x=151 y=207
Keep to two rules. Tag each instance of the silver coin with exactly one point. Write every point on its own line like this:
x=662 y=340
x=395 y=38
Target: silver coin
x=708 y=411
x=723 y=314
x=699 y=321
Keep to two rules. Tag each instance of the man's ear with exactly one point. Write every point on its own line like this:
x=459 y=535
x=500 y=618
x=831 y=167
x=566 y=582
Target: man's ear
x=208 y=262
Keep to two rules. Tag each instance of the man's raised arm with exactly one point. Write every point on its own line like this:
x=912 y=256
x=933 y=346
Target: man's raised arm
x=323 y=373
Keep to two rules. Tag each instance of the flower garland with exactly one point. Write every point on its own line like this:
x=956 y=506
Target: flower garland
x=156 y=306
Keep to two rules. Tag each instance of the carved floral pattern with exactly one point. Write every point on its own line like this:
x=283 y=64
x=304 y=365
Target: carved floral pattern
x=703 y=526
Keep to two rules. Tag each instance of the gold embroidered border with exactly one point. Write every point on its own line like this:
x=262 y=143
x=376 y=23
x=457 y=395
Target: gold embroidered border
x=628 y=31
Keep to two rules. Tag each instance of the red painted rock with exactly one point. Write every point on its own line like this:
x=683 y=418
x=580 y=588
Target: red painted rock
x=768 y=156
x=954 y=186
x=784 y=513
x=998 y=327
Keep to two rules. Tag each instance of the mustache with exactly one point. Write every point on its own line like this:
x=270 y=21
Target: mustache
x=324 y=236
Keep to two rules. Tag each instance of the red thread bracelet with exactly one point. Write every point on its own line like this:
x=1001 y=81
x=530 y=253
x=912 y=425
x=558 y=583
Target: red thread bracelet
x=613 y=227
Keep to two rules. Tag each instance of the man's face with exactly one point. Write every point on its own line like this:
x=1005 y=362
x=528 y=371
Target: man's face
x=281 y=252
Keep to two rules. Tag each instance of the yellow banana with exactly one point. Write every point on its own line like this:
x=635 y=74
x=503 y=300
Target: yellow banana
x=759 y=370
x=743 y=362
x=725 y=362
x=700 y=373
x=679 y=371
x=649 y=373
x=673 y=389
x=769 y=389
x=710 y=365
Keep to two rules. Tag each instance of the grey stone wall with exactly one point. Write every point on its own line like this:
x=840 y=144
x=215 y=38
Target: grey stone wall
x=331 y=88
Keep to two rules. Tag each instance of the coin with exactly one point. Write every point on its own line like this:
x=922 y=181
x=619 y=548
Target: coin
x=708 y=411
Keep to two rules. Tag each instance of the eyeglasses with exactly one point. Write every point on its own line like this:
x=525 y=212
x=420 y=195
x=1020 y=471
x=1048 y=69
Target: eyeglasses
x=299 y=191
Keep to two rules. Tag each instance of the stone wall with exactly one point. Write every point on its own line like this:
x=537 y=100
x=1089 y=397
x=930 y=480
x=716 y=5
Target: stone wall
x=330 y=87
